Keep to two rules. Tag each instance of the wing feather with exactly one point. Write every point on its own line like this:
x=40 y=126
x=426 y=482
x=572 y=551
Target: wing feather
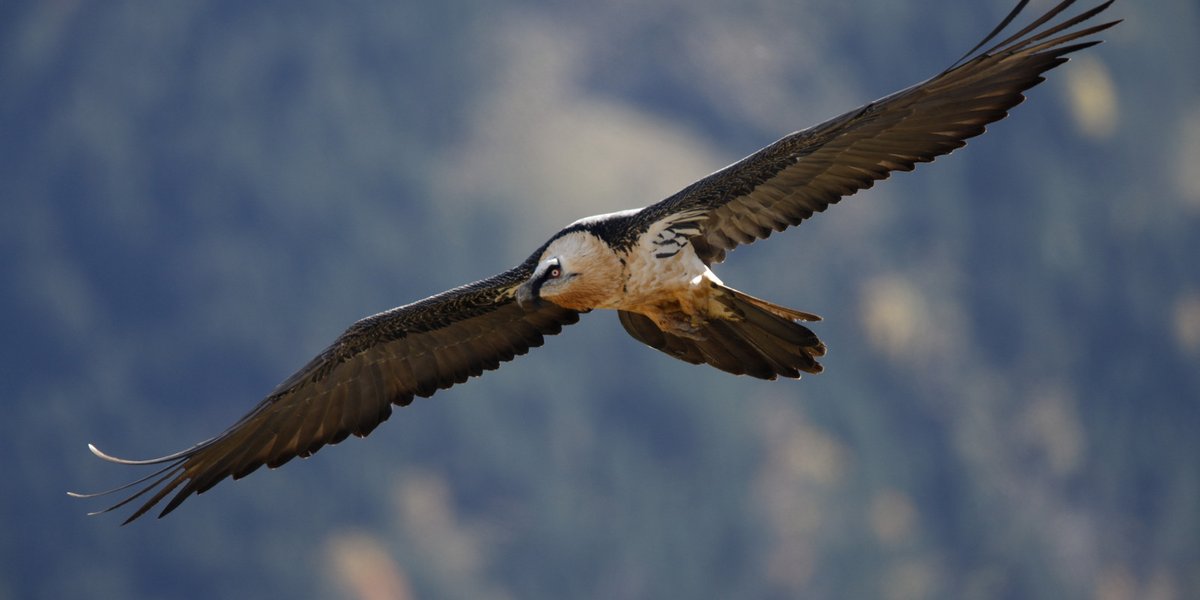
x=385 y=359
x=803 y=173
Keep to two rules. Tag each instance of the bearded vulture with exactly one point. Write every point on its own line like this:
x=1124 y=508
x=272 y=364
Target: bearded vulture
x=651 y=265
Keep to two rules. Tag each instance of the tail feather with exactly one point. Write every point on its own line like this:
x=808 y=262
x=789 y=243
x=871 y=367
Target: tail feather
x=770 y=307
x=790 y=358
x=776 y=331
x=738 y=354
x=764 y=340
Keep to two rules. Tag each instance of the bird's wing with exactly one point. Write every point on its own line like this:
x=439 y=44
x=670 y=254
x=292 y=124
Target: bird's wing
x=803 y=173
x=385 y=359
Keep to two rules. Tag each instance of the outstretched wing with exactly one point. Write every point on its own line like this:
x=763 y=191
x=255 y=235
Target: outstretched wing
x=385 y=359
x=803 y=173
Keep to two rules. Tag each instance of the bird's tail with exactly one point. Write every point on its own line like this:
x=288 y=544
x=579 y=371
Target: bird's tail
x=769 y=338
x=763 y=340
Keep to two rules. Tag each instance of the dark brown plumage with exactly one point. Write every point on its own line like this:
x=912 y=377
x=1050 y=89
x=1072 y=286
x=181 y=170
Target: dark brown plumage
x=767 y=341
x=417 y=349
x=803 y=173
x=349 y=388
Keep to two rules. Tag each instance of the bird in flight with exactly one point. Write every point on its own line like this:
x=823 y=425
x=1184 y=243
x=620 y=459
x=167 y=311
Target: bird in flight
x=652 y=265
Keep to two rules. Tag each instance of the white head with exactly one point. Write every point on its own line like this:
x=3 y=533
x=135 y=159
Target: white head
x=578 y=271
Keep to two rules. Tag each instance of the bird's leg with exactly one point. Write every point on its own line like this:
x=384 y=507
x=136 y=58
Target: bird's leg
x=681 y=324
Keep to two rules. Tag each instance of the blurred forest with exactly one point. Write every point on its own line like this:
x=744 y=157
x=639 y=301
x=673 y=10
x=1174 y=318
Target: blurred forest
x=199 y=196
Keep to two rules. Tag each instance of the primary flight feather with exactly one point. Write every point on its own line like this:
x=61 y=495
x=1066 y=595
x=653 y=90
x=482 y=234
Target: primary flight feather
x=651 y=265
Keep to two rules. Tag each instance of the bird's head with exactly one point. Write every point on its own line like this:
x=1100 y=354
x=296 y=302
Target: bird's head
x=577 y=270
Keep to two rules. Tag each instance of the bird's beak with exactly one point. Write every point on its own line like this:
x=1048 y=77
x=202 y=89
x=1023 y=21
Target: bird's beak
x=527 y=295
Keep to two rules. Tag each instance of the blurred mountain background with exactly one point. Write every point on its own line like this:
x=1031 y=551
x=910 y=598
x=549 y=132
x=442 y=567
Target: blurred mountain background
x=199 y=196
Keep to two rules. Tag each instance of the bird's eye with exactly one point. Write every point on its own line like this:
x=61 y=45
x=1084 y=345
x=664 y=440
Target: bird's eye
x=554 y=272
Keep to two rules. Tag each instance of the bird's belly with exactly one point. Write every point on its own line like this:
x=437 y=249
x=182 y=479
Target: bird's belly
x=676 y=292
